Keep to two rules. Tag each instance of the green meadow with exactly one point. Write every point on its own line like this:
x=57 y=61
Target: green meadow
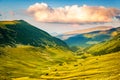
x=34 y=63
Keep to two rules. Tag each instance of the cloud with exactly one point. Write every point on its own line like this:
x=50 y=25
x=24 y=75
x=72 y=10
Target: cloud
x=98 y=28
x=72 y=14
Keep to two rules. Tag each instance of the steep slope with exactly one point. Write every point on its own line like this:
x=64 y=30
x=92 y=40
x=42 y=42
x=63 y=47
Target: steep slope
x=88 y=39
x=20 y=32
x=106 y=47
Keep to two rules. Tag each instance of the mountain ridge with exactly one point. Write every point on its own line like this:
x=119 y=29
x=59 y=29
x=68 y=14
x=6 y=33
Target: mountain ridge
x=69 y=34
x=21 y=32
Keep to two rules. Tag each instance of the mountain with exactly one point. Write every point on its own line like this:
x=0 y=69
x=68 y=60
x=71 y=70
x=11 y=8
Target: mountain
x=28 y=51
x=113 y=45
x=69 y=34
x=21 y=32
x=91 y=38
x=98 y=28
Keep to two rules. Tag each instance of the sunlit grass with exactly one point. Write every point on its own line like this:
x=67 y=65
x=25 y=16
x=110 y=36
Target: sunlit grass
x=34 y=63
x=104 y=67
x=93 y=68
x=8 y=22
x=22 y=61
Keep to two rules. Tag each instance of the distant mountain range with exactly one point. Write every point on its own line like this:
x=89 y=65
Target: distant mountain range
x=69 y=34
x=91 y=38
x=21 y=32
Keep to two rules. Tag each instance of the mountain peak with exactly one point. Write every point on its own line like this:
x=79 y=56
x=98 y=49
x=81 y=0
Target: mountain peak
x=20 y=21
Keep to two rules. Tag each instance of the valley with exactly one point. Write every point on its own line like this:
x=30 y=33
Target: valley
x=28 y=53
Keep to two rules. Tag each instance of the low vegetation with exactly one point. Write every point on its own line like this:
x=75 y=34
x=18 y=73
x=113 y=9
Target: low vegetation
x=105 y=67
x=39 y=56
x=30 y=61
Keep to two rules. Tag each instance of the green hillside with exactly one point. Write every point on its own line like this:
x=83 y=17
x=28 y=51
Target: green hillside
x=26 y=50
x=105 y=67
x=106 y=47
x=21 y=32
x=34 y=63
x=29 y=61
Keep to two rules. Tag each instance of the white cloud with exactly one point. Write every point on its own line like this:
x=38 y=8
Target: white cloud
x=72 y=14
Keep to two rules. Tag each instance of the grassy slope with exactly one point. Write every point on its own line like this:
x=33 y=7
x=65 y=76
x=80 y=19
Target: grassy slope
x=110 y=46
x=35 y=63
x=29 y=61
x=105 y=67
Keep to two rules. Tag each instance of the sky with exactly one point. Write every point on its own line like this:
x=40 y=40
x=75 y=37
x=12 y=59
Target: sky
x=61 y=16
